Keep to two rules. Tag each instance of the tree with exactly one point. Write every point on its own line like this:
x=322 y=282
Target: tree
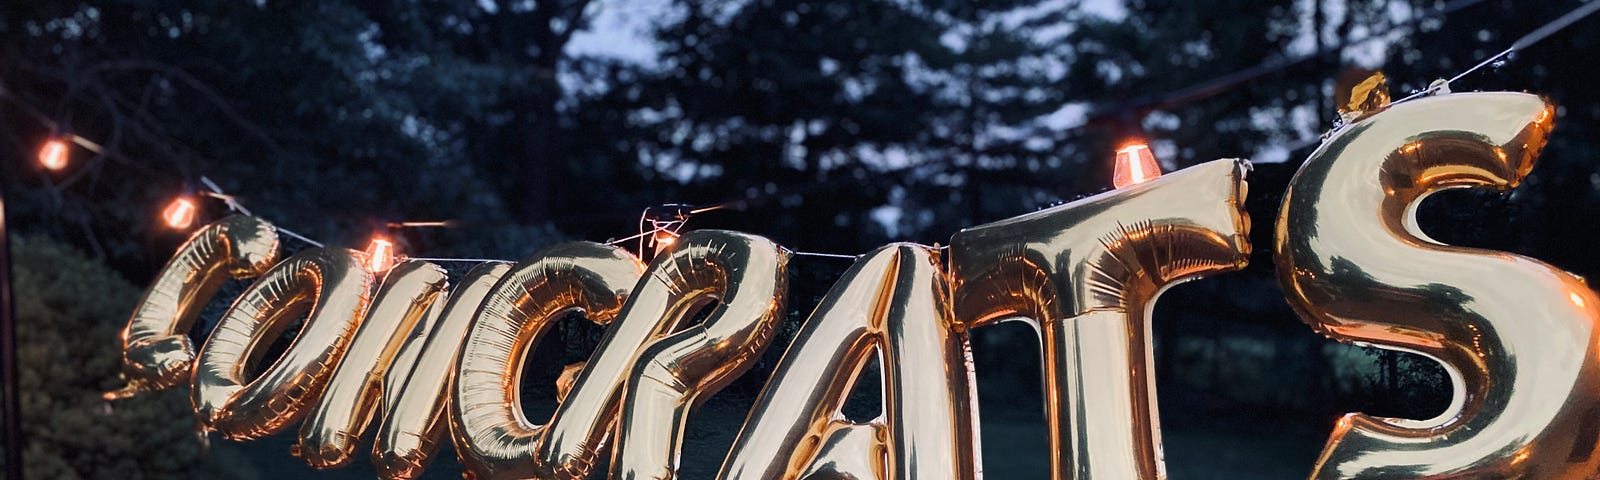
x=329 y=127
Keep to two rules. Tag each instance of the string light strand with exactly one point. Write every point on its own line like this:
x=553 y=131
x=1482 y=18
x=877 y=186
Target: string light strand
x=299 y=237
x=824 y=255
x=666 y=230
x=457 y=260
x=630 y=237
x=1522 y=43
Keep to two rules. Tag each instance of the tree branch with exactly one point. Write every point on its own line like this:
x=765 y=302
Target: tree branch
x=206 y=91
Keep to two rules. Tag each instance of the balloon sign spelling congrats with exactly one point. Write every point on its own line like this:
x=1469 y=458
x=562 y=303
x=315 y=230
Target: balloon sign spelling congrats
x=1520 y=338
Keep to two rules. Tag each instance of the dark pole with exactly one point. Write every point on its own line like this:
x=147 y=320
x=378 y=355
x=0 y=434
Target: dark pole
x=8 y=356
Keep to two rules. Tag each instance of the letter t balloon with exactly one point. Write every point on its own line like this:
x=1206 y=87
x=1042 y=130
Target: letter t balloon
x=1086 y=275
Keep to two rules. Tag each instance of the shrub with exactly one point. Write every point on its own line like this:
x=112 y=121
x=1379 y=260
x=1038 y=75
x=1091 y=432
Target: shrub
x=70 y=310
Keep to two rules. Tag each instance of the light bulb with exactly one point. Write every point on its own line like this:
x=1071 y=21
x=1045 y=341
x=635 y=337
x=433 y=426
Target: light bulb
x=380 y=255
x=665 y=239
x=1135 y=165
x=53 y=154
x=180 y=214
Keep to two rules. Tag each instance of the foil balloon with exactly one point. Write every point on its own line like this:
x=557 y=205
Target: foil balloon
x=1518 y=337
x=893 y=303
x=492 y=437
x=1086 y=274
x=416 y=410
x=851 y=451
x=326 y=285
x=406 y=302
x=747 y=277
x=156 y=350
x=568 y=377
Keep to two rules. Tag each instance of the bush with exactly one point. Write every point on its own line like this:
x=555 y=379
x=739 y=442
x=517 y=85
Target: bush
x=70 y=310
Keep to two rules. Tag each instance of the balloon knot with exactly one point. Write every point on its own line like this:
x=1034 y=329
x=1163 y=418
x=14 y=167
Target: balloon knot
x=130 y=390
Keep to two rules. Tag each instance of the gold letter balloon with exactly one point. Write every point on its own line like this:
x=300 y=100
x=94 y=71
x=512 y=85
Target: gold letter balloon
x=1518 y=337
x=892 y=304
x=408 y=301
x=492 y=437
x=332 y=289
x=1086 y=275
x=746 y=277
x=156 y=351
x=416 y=414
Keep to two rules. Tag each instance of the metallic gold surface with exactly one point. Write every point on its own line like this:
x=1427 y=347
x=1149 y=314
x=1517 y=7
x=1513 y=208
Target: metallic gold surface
x=156 y=351
x=851 y=451
x=492 y=437
x=568 y=377
x=1086 y=274
x=1517 y=336
x=1369 y=95
x=747 y=276
x=893 y=304
x=416 y=412
x=402 y=306
x=331 y=289
x=411 y=347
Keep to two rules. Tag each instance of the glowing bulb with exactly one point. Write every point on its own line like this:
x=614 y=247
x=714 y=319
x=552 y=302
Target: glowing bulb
x=1135 y=165
x=665 y=239
x=380 y=255
x=53 y=154
x=180 y=213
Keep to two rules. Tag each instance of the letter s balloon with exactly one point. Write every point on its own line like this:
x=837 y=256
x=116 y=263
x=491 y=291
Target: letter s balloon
x=1518 y=337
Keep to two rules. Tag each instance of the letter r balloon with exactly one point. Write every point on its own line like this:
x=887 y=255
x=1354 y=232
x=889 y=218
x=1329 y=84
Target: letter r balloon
x=747 y=277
